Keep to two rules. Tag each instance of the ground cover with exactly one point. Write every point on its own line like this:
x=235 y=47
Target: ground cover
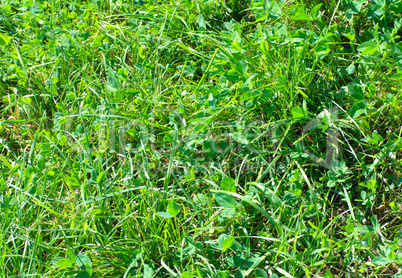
x=200 y=138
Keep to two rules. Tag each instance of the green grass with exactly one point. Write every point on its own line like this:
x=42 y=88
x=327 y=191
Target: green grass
x=200 y=138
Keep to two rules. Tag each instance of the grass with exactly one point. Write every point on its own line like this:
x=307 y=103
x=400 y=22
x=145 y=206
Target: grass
x=200 y=138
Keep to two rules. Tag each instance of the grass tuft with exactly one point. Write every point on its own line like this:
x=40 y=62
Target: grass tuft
x=200 y=138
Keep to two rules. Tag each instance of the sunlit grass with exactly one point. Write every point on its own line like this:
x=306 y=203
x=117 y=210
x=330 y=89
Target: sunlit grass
x=200 y=139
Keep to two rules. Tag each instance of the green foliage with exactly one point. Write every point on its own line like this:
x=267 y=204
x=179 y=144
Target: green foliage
x=200 y=138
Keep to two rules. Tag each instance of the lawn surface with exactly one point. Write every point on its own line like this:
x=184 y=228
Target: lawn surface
x=200 y=138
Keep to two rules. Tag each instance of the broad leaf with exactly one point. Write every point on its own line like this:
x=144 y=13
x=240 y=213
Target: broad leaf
x=165 y=215
x=300 y=17
x=240 y=138
x=63 y=263
x=227 y=243
x=148 y=271
x=4 y=39
x=84 y=262
x=82 y=274
x=314 y=11
x=382 y=260
x=367 y=48
x=70 y=254
x=356 y=91
x=225 y=200
x=260 y=273
x=232 y=75
x=173 y=209
x=228 y=184
x=186 y=274
x=298 y=112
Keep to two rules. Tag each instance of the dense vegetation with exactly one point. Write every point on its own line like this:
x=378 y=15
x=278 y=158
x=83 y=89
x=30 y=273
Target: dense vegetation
x=203 y=138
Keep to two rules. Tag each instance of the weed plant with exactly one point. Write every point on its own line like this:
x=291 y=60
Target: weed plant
x=202 y=138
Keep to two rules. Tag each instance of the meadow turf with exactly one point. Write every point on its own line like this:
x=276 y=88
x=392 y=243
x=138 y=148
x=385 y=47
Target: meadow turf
x=206 y=138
